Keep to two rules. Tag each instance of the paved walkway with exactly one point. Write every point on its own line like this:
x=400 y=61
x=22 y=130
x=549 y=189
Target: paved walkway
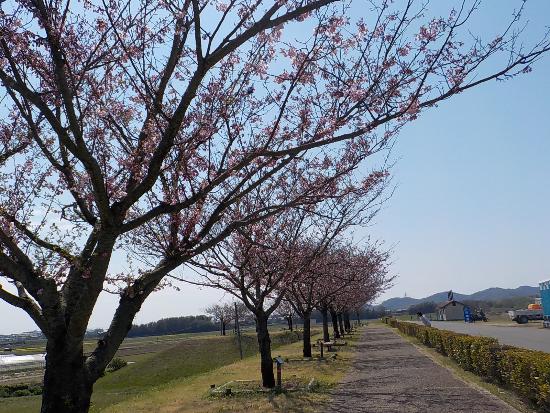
x=392 y=375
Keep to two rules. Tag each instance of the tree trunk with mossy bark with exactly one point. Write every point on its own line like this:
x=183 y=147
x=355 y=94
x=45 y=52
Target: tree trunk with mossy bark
x=307 y=335
x=334 y=320
x=347 y=322
x=67 y=386
x=70 y=375
x=341 y=324
x=264 y=344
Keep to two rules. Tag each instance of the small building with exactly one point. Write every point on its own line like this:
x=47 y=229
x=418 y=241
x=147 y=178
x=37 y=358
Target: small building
x=450 y=311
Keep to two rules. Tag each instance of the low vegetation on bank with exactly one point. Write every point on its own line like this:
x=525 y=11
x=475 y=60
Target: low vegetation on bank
x=180 y=377
x=194 y=395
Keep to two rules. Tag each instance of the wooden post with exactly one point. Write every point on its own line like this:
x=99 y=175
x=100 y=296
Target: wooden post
x=238 y=331
x=279 y=361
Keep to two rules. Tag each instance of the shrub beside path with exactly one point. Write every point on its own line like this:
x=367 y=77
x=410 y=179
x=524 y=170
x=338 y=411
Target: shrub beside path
x=391 y=375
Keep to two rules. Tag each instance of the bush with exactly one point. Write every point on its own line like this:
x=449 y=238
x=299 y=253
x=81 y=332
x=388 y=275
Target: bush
x=526 y=372
x=286 y=337
x=19 y=390
x=116 y=364
x=36 y=390
x=21 y=393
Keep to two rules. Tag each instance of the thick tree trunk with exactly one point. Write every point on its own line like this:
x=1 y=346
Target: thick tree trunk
x=341 y=324
x=264 y=343
x=67 y=389
x=290 y=326
x=324 y=313
x=347 y=323
x=334 y=319
x=358 y=318
x=223 y=329
x=307 y=335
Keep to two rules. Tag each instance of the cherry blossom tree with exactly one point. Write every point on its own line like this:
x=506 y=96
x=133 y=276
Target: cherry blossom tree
x=244 y=315
x=139 y=125
x=369 y=270
x=342 y=277
x=260 y=263
x=323 y=250
x=248 y=265
x=256 y=263
x=286 y=311
x=222 y=314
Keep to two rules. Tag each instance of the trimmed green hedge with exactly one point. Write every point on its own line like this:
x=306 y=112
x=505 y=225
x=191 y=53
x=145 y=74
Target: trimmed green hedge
x=526 y=372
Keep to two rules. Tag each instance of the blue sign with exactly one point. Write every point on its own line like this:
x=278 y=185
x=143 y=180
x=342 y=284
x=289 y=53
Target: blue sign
x=467 y=314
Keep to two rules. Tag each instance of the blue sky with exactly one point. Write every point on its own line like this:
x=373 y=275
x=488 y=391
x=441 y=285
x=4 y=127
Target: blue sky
x=471 y=208
x=472 y=205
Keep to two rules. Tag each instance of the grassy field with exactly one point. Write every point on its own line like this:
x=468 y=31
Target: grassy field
x=180 y=376
x=130 y=350
x=129 y=346
x=193 y=396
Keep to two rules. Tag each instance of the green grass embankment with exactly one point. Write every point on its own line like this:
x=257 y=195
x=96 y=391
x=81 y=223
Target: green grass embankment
x=184 y=359
x=192 y=395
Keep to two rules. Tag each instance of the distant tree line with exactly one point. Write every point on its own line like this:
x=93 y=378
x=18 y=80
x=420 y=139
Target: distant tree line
x=499 y=306
x=174 y=325
x=223 y=315
x=425 y=307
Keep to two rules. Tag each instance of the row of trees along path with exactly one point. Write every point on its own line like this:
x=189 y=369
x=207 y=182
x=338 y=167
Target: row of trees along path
x=299 y=251
x=164 y=129
x=224 y=314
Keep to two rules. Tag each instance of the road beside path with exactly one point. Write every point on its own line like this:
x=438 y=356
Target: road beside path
x=390 y=375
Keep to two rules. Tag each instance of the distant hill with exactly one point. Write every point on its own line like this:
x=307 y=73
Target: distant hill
x=495 y=293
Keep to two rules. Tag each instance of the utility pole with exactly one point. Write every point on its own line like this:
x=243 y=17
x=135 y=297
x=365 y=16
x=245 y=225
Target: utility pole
x=238 y=331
